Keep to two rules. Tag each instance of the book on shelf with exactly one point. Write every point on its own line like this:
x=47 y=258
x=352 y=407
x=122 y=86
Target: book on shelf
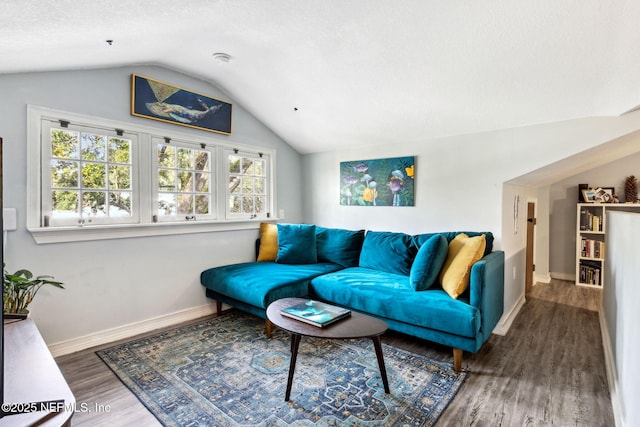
x=316 y=313
x=584 y=220
x=589 y=273
x=592 y=248
x=589 y=221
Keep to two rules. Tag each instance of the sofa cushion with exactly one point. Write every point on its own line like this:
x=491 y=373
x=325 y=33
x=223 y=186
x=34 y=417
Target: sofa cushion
x=391 y=296
x=419 y=239
x=428 y=263
x=463 y=252
x=339 y=246
x=268 y=250
x=297 y=244
x=260 y=283
x=388 y=252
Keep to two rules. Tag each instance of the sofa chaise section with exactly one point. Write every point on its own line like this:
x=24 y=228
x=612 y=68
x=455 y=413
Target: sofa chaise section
x=252 y=286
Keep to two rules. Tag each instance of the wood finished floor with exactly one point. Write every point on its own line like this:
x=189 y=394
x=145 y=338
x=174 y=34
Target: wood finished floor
x=548 y=370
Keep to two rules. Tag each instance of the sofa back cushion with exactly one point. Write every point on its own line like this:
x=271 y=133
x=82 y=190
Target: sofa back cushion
x=428 y=262
x=463 y=252
x=297 y=244
x=339 y=246
x=387 y=251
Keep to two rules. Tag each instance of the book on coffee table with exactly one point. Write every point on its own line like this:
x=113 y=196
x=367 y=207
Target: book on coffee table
x=316 y=313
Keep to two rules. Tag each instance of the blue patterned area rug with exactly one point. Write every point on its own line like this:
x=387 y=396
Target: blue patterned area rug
x=224 y=371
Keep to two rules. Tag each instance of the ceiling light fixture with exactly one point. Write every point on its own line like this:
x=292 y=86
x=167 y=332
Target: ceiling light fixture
x=222 y=58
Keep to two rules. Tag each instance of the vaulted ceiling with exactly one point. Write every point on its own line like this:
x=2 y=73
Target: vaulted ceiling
x=327 y=74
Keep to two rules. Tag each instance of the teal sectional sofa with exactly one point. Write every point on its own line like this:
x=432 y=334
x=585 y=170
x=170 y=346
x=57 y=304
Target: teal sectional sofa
x=402 y=279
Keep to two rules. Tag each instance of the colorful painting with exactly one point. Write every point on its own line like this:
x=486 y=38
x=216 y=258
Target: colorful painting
x=379 y=182
x=161 y=101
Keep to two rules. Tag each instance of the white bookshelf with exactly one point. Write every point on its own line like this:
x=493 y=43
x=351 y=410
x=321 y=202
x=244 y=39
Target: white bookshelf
x=591 y=231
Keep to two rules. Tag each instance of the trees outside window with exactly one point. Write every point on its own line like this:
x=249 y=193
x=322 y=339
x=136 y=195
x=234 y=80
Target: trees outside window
x=90 y=177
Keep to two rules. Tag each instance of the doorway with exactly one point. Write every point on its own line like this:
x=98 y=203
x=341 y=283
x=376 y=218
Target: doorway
x=530 y=267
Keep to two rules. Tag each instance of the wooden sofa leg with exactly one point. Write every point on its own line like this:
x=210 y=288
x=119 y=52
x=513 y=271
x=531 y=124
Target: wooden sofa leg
x=218 y=308
x=457 y=359
x=269 y=327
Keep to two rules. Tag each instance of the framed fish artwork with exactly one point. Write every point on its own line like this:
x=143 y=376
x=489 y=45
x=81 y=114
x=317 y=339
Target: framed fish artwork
x=156 y=100
x=378 y=182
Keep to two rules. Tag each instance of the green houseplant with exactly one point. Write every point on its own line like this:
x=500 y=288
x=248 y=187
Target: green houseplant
x=20 y=288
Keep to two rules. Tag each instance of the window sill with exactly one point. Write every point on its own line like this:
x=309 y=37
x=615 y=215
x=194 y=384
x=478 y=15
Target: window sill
x=46 y=235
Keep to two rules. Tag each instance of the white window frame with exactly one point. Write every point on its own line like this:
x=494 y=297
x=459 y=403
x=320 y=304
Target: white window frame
x=143 y=176
x=213 y=187
x=267 y=186
x=81 y=220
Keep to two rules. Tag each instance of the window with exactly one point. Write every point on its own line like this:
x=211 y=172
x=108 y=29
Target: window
x=247 y=189
x=88 y=175
x=93 y=178
x=183 y=182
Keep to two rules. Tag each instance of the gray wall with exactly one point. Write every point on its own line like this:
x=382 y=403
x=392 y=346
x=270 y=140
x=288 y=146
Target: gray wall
x=621 y=298
x=113 y=283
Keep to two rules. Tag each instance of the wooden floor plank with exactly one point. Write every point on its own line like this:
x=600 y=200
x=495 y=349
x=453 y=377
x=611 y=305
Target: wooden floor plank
x=548 y=370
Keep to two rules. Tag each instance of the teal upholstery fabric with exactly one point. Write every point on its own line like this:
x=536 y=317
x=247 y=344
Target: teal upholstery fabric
x=428 y=262
x=391 y=296
x=471 y=344
x=388 y=252
x=381 y=281
x=419 y=239
x=486 y=290
x=260 y=283
x=339 y=246
x=297 y=244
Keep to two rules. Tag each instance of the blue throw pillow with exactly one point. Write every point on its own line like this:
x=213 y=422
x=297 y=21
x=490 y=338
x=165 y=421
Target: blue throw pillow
x=339 y=246
x=297 y=244
x=387 y=251
x=428 y=262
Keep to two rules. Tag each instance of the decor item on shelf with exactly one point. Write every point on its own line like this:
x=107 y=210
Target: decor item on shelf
x=589 y=195
x=631 y=189
x=580 y=195
x=604 y=194
x=20 y=288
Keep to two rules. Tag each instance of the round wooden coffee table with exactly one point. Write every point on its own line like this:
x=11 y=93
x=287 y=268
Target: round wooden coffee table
x=358 y=325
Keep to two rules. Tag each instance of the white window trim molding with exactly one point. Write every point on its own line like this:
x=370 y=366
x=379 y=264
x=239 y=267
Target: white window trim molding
x=46 y=235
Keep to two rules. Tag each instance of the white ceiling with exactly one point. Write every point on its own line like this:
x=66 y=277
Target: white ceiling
x=360 y=72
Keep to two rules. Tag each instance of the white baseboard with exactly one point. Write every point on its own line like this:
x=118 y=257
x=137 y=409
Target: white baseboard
x=542 y=278
x=563 y=276
x=132 y=329
x=507 y=319
x=612 y=376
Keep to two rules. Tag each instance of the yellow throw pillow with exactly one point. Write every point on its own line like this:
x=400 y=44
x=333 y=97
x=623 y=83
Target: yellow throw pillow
x=268 y=242
x=463 y=252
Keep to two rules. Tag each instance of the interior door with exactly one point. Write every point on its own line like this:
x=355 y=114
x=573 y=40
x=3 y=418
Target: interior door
x=529 y=268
